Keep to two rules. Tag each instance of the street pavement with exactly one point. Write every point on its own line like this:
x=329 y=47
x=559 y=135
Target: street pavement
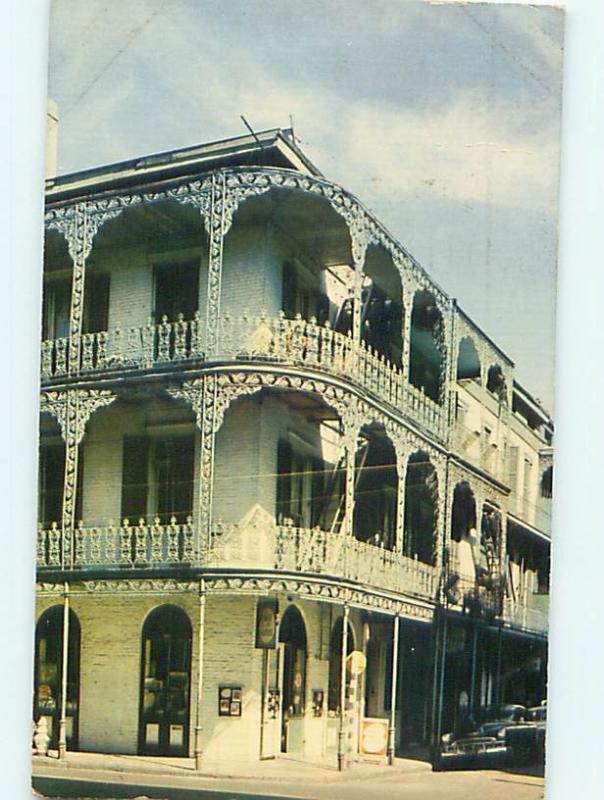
x=112 y=778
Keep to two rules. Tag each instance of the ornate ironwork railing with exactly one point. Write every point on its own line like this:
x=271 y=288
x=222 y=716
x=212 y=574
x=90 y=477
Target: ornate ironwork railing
x=526 y=616
x=288 y=548
x=284 y=548
x=126 y=545
x=294 y=342
x=123 y=348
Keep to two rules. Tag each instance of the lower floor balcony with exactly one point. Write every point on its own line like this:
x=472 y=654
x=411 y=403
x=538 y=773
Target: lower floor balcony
x=259 y=546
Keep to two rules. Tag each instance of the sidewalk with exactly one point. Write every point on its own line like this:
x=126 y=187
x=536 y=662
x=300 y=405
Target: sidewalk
x=119 y=768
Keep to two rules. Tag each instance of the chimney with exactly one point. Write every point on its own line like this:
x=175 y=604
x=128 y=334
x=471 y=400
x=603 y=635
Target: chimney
x=52 y=138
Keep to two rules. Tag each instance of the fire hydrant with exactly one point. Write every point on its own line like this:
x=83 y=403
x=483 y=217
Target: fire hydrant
x=41 y=737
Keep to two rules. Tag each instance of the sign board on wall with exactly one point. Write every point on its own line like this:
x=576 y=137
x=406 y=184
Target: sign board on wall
x=266 y=623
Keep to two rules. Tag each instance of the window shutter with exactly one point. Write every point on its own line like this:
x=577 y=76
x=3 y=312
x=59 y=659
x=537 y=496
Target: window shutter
x=135 y=477
x=284 y=468
x=289 y=299
x=96 y=303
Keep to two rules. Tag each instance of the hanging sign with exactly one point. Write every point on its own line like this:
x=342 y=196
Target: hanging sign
x=356 y=662
x=266 y=623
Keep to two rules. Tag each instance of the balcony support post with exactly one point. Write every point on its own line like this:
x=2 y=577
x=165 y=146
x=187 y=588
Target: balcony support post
x=402 y=460
x=393 y=692
x=64 y=670
x=216 y=241
x=409 y=290
x=199 y=696
x=342 y=761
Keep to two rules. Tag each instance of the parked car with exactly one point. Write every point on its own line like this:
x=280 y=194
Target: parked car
x=484 y=742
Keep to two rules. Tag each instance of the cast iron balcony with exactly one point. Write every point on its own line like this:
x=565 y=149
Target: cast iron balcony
x=265 y=546
x=294 y=342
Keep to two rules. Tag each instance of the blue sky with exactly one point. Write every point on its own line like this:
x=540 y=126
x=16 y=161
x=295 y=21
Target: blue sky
x=442 y=119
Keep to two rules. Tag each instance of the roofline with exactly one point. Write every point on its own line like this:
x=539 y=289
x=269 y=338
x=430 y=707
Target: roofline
x=532 y=402
x=172 y=161
x=479 y=330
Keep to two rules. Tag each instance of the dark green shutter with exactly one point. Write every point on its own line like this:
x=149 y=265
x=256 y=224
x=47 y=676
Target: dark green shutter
x=134 y=477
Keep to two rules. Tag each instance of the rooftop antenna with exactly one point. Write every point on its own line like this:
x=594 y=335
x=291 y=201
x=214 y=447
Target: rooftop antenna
x=251 y=130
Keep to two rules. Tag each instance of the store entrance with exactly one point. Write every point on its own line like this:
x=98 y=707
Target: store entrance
x=292 y=647
x=165 y=683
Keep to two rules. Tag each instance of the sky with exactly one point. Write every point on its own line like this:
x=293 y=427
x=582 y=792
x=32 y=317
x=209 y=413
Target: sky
x=443 y=119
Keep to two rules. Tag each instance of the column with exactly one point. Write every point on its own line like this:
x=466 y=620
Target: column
x=409 y=290
x=216 y=242
x=342 y=726
x=64 y=669
x=199 y=697
x=403 y=451
x=393 y=692
x=202 y=395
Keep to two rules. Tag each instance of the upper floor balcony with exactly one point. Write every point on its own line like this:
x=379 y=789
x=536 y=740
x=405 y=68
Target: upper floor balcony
x=162 y=283
x=279 y=341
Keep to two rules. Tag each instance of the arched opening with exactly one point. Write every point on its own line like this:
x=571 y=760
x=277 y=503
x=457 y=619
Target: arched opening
x=165 y=683
x=49 y=675
x=468 y=361
x=381 y=306
x=293 y=648
x=463 y=536
x=159 y=250
x=376 y=489
x=290 y=251
x=496 y=382
x=421 y=495
x=547 y=482
x=426 y=356
x=335 y=663
x=463 y=515
x=289 y=461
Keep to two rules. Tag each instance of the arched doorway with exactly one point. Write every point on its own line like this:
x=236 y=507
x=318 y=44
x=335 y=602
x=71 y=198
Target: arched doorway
x=292 y=646
x=49 y=673
x=165 y=683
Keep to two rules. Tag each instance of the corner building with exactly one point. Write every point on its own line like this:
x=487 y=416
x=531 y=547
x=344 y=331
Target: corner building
x=291 y=498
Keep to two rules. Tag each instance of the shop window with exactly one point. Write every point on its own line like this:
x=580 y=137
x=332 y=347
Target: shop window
x=48 y=674
x=165 y=683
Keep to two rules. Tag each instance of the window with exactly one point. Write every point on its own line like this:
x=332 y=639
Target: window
x=96 y=303
x=157 y=477
x=300 y=486
x=176 y=290
x=302 y=294
x=56 y=305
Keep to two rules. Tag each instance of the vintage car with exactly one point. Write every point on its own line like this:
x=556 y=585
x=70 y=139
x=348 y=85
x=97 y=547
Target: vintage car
x=485 y=742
